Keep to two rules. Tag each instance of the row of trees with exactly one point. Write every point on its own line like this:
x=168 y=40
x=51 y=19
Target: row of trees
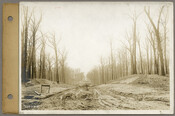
x=36 y=62
x=138 y=55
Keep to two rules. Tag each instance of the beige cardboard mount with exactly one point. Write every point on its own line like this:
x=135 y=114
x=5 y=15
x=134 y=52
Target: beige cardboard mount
x=10 y=59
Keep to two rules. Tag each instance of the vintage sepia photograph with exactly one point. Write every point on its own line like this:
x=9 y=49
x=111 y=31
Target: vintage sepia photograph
x=96 y=57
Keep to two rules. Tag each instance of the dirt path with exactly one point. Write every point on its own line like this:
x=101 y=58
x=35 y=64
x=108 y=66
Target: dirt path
x=121 y=96
x=130 y=97
x=129 y=80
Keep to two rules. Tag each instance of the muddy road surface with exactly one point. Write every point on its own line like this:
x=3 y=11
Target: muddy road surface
x=121 y=95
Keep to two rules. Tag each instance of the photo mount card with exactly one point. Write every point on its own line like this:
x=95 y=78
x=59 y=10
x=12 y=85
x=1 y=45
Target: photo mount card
x=88 y=58
x=10 y=59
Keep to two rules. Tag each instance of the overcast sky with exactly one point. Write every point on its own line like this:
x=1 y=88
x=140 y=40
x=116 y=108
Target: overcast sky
x=86 y=28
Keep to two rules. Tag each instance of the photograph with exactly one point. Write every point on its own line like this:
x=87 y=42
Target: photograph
x=96 y=57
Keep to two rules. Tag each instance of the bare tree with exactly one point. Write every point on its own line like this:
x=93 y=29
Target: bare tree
x=25 y=36
x=134 y=18
x=34 y=28
x=102 y=70
x=156 y=29
x=165 y=31
x=42 y=73
x=54 y=45
x=112 y=60
x=49 y=62
x=129 y=41
x=152 y=41
x=140 y=52
x=63 y=54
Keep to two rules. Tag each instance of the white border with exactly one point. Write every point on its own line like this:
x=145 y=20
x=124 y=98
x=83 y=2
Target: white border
x=19 y=58
x=96 y=112
x=171 y=66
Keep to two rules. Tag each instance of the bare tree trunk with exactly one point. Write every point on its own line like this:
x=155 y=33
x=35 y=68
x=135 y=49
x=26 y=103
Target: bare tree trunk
x=43 y=57
x=150 y=71
x=165 y=42
x=102 y=69
x=141 y=65
x=25 y=52
x=34 y=58
x=40 y=70
x=62 y=62
x=27 y=19
x=57 y=74
x=126 y=63
x=49 y=68
x=112 y=61
x=35 y=27
x=134 y=49
x=157 y=33
x=54 y=46
x=147 y=52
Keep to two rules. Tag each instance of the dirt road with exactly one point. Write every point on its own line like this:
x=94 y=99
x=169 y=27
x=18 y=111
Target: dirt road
x=112 y=96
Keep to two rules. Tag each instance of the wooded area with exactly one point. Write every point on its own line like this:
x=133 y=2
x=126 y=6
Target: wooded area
x=43 y=65
x=92 y=56
x=137 y=56
x=152 y=58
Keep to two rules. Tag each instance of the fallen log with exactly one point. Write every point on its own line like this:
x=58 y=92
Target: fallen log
x=50 y=95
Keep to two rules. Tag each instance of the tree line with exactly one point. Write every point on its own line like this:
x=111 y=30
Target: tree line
x=36 y=63
x=138 y=55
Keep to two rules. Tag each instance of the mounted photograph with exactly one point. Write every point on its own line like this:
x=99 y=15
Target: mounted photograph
x=96 y=58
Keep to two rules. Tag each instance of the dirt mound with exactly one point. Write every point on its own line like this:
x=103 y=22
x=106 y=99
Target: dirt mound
x=33 y=82
x=44 y=81
x=125 y=79
x=154 y=81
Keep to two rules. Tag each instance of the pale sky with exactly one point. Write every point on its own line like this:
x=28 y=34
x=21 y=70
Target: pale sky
x=87 y=27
